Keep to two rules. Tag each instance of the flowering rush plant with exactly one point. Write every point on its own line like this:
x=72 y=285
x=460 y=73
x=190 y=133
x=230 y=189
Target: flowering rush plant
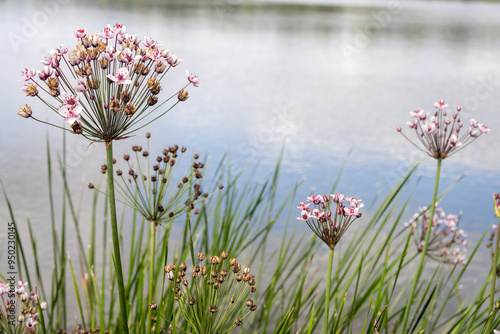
x=330 y=225
x=446 y=243
x=216 y=296
x=19 y=311
x=107 y=86
x=439 y=133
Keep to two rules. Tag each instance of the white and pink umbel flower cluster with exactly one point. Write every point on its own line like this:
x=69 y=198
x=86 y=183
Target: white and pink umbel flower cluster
x=446 y=243
x=330 y=225
x=107 y=84
x=27 y=322
x=439 y=133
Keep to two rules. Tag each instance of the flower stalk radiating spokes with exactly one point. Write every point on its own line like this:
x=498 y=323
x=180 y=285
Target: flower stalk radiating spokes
x=439 y=134
x=447 y=243
x=150 y=189
x=329 y=226
x=218 y=296
x=106 y=88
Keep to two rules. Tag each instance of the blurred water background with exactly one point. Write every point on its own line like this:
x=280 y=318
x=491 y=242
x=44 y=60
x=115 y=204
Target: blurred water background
x=320 y=79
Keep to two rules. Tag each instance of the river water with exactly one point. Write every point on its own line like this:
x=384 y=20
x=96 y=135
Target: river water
x=323 y=78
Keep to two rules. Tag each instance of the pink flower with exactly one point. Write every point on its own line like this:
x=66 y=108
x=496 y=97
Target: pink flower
x=81 y=33
x=440 y=105
x=120 y=29
x=4 y=288
x=317 y=214
x=483 y=128
x=126 y=56
x=45 y=73
x=20 y=287
x=353 y=211
x=62 y=50
x=70 y=114
x=110 y=53
x=303 y=206
x=193 y=79
x=173 y=60
x=155 y=55
x=304 y=215
x=149 y=43
x=51 y=59
x=31 y=324
x=81 y=85
x=413 y=124
x=417 y=113
x=316 y=199
x=473 y=123
x=337 y=198
x=28 y=74
x=454 y=141
x=120 y=77
x=429 y=127
x=108 y=33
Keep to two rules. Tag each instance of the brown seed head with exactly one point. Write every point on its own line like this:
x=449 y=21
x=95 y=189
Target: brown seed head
x=130 y=109
x=91 y=186
x=224 y=255
x=152 y=100
x=201 y=256
x=125 y=96
x=203 y=271
x=153 y=306
x=115 y=106
x=25 y=111
x=238 y=322
x=31 y=90
x=76 y=128
x=212 y=309
x=119 y=172
x=52 y=83
x=183 y=95
x=126 y=157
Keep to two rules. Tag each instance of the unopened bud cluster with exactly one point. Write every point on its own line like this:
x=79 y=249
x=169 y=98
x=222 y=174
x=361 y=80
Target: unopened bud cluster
x=150 y=186
x=447 y=243
x=21 y=304
x=216 y=292
x=330 y=225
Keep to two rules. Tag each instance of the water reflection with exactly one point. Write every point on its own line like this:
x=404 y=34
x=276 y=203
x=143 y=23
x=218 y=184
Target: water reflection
x=274 y=73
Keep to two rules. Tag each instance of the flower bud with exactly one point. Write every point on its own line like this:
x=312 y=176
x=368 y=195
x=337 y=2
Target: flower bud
x=25 y=111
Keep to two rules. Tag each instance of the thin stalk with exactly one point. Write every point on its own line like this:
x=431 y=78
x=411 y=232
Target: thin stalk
x=327 y=295
x=493 y=283
x=116 y=241
x=424 y=250
x=151 y=271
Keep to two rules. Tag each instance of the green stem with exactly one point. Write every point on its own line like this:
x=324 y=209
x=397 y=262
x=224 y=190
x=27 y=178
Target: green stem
x=493 y=282
x=116 y=240
x=424 y=250
x=327 y=295
x=151 y=272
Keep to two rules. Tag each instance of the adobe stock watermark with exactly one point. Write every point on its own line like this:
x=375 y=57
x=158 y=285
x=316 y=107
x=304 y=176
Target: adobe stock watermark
x=379 y=20
x=225 y=6
x=279 y=124
x=483 y=90
x=32 y=25
x=402 y=168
